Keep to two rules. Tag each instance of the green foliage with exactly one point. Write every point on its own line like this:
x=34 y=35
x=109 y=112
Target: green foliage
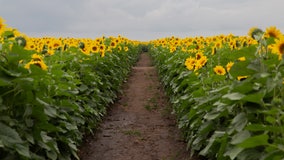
x=221 y=117
x=45 y=114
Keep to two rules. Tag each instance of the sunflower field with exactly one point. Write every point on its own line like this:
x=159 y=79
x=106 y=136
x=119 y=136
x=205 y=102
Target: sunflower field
x=54 y=90
x=227 y=92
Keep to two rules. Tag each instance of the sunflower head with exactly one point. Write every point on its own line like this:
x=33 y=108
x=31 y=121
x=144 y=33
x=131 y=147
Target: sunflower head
x=229 y=66
x=242 y=59
x=38 y=61
x=190 y=63
x=21 y=41
x=241 y=78
x=219 y=70
x=113 y=44
x=278 y=47
x=255 y=33
x=126 y=48
x=198 y=55
x=2 y=25
x=272 y=32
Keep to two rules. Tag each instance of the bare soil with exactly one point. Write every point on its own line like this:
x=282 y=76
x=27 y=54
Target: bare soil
x=139 y=125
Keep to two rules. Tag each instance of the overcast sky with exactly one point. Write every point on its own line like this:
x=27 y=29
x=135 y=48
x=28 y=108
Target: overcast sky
x=140 y=19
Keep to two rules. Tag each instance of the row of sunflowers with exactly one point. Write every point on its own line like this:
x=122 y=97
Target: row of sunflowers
x=55 y=90
x=227 y=92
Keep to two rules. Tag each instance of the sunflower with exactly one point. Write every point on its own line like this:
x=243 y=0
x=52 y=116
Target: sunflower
x=172 y=49
x=41 y=64
x=198 y=55
x=202 y=61
x=2 y=25
x=254 y=32
x=233 y=44
x=102 y=53
x=30 y=45
x=86 y=50
x=50 y=51
x=126 y=48
x=94 y=48
x=213 y=50
x=102 y=48
x=251 y=30
x=242 y=58
x=113 y=44
x=190 y=63
x=229 y=66
x=218 y=44
x=55 y=43
x=240 y=78
x=278 y=47
x=38 y=61
x=272 y=32
x=197 y=66
x=220 y=70
x=37 y=57
x=119 y=48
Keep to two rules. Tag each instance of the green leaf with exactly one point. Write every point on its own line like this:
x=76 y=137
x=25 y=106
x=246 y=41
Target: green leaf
x=233 y=96
x=250 y=154
x=52 y=155
x=239 y=122
x=254 y=141
x=8 y=135
x=50 y=111
x=240 y=69
x=240 y=137
x=233 y=152
x=212 y=115
x=262 y=127
x=23 y=150
x=274 y=155
x=256 y=97
x=83 y=88
x=4 y=82
x=1 y=144
x=242 y=87
x=270 y=119
x=45 y=137
x=212 y=140
x=11 y=139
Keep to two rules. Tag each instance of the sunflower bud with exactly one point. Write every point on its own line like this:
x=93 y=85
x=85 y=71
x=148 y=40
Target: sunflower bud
x=21 y=41
x=255 y=33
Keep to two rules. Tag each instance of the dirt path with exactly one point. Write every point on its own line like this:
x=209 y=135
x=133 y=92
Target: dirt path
x=139 y=125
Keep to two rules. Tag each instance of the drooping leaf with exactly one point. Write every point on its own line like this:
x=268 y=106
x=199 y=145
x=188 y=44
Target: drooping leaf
x=23 y=150
x=8 y=135
x=233 y=96
x=254 y=141
x=239 y=122
x=255 y=98
x=233 y=152
x=240 y=137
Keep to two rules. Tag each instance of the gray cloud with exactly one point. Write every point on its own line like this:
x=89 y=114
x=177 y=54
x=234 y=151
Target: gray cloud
x=136 y=19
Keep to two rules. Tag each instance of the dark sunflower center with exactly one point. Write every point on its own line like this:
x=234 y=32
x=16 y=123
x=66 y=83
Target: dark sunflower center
x=272 y=34
x=281 y=48
x=95 y=48
x=56 y=45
